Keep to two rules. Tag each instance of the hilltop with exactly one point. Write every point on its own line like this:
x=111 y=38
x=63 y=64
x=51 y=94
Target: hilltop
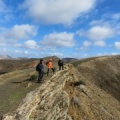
x=19 y=64
x=68 y=60
x=17 y=78
x=5 y=57
x=86 y=89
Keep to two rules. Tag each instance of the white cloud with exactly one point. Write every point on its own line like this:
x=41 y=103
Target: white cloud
x=4 y=50
x=100 y=33
x=59 y=40
x=109 y=21
x=21 y=52
x=117 y=45
x=20 y=32
x=3 y=7
x=7 y=17
x=5 y=12
x=97 y=34
x=56 y=11
x=79 y=55
x=82 y=48
x=26 y=52
x=2 y=43
x=80 y=32
x=31 y=44
x=116 y=16
x=107 y=53
x=18 y=51
x=100 y=22
x=17 y=32
x=86 y=43
x=115 y=53
x=99 y=43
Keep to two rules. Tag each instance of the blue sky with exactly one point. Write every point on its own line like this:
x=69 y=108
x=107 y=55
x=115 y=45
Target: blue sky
x=65 y=28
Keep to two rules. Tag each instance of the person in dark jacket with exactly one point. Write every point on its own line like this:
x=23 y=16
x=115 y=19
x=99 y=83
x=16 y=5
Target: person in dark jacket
x=40 y=70
x=60 y=64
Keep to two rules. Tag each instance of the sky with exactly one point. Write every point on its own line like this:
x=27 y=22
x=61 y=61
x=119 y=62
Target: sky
x=62 y=28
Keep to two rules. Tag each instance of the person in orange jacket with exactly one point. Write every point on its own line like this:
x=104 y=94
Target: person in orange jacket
x=50 y=66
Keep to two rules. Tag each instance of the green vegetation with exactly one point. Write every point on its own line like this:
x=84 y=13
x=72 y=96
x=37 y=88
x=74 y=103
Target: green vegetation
x=15 y=96
x=33 y=77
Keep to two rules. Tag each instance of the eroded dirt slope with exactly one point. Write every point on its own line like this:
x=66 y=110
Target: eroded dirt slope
x=20 y=78
x=103 y=72
x=77 y=93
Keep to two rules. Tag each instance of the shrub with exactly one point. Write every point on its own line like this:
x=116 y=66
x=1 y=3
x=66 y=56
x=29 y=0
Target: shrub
x=77 y=83
x=33 y=77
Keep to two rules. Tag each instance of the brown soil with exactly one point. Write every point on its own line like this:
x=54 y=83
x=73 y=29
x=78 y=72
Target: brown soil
x=18 y=77
x=86 y=90
x=103 y=72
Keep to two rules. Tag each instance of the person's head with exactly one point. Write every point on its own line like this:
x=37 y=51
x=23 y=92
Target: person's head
x=41 y=60
x=50 y=59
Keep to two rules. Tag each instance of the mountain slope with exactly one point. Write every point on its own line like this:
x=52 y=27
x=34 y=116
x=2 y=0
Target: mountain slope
x=103 y=72
x=80 y=92
x=68 y=60
x=18 y=64
x=5 y=57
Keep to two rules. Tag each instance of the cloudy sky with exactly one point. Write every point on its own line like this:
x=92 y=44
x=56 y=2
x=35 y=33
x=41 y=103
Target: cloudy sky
x=65 y=28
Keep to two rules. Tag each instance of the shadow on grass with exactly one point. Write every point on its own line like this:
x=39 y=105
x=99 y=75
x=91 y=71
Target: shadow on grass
x=3 y=72
x=32 y=78
x=17 y=82
x=77 y=83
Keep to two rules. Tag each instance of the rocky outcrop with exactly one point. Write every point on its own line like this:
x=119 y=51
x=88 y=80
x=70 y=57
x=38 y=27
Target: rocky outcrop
x=68 y=95
x=48 y=102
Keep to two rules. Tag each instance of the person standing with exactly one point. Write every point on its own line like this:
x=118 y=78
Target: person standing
x=40 y=69
x=60 y=64
x=50 y=66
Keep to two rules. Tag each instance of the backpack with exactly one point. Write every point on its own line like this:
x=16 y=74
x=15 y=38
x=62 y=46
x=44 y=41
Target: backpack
x=37 y=67
x=61 y=61
x=47 y=63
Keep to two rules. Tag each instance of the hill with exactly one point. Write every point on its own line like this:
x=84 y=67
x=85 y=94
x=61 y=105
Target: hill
x=87 y=89
x=103 y=72
x=68 y=60
x=17 y=78
x=18 y=64
x=5 y=57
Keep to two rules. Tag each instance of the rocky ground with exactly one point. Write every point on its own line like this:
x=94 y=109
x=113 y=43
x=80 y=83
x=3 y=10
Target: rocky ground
x=18 y=77
x=13 y=87
x=85 y=90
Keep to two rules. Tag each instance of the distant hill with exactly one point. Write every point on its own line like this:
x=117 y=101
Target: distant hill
x=67 y=60
x=5 y=57
x=8 y=65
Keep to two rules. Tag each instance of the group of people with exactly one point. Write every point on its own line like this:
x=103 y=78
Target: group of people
x=49 y=64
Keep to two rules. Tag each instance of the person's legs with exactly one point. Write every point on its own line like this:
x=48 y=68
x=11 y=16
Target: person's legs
x=47 y=71
x=62 y=67
x=59 y=67
x=53 y=70
x=40 y=77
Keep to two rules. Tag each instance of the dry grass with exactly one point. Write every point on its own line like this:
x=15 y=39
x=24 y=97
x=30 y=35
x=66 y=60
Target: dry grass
x=93 y=87
x=103 y=72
